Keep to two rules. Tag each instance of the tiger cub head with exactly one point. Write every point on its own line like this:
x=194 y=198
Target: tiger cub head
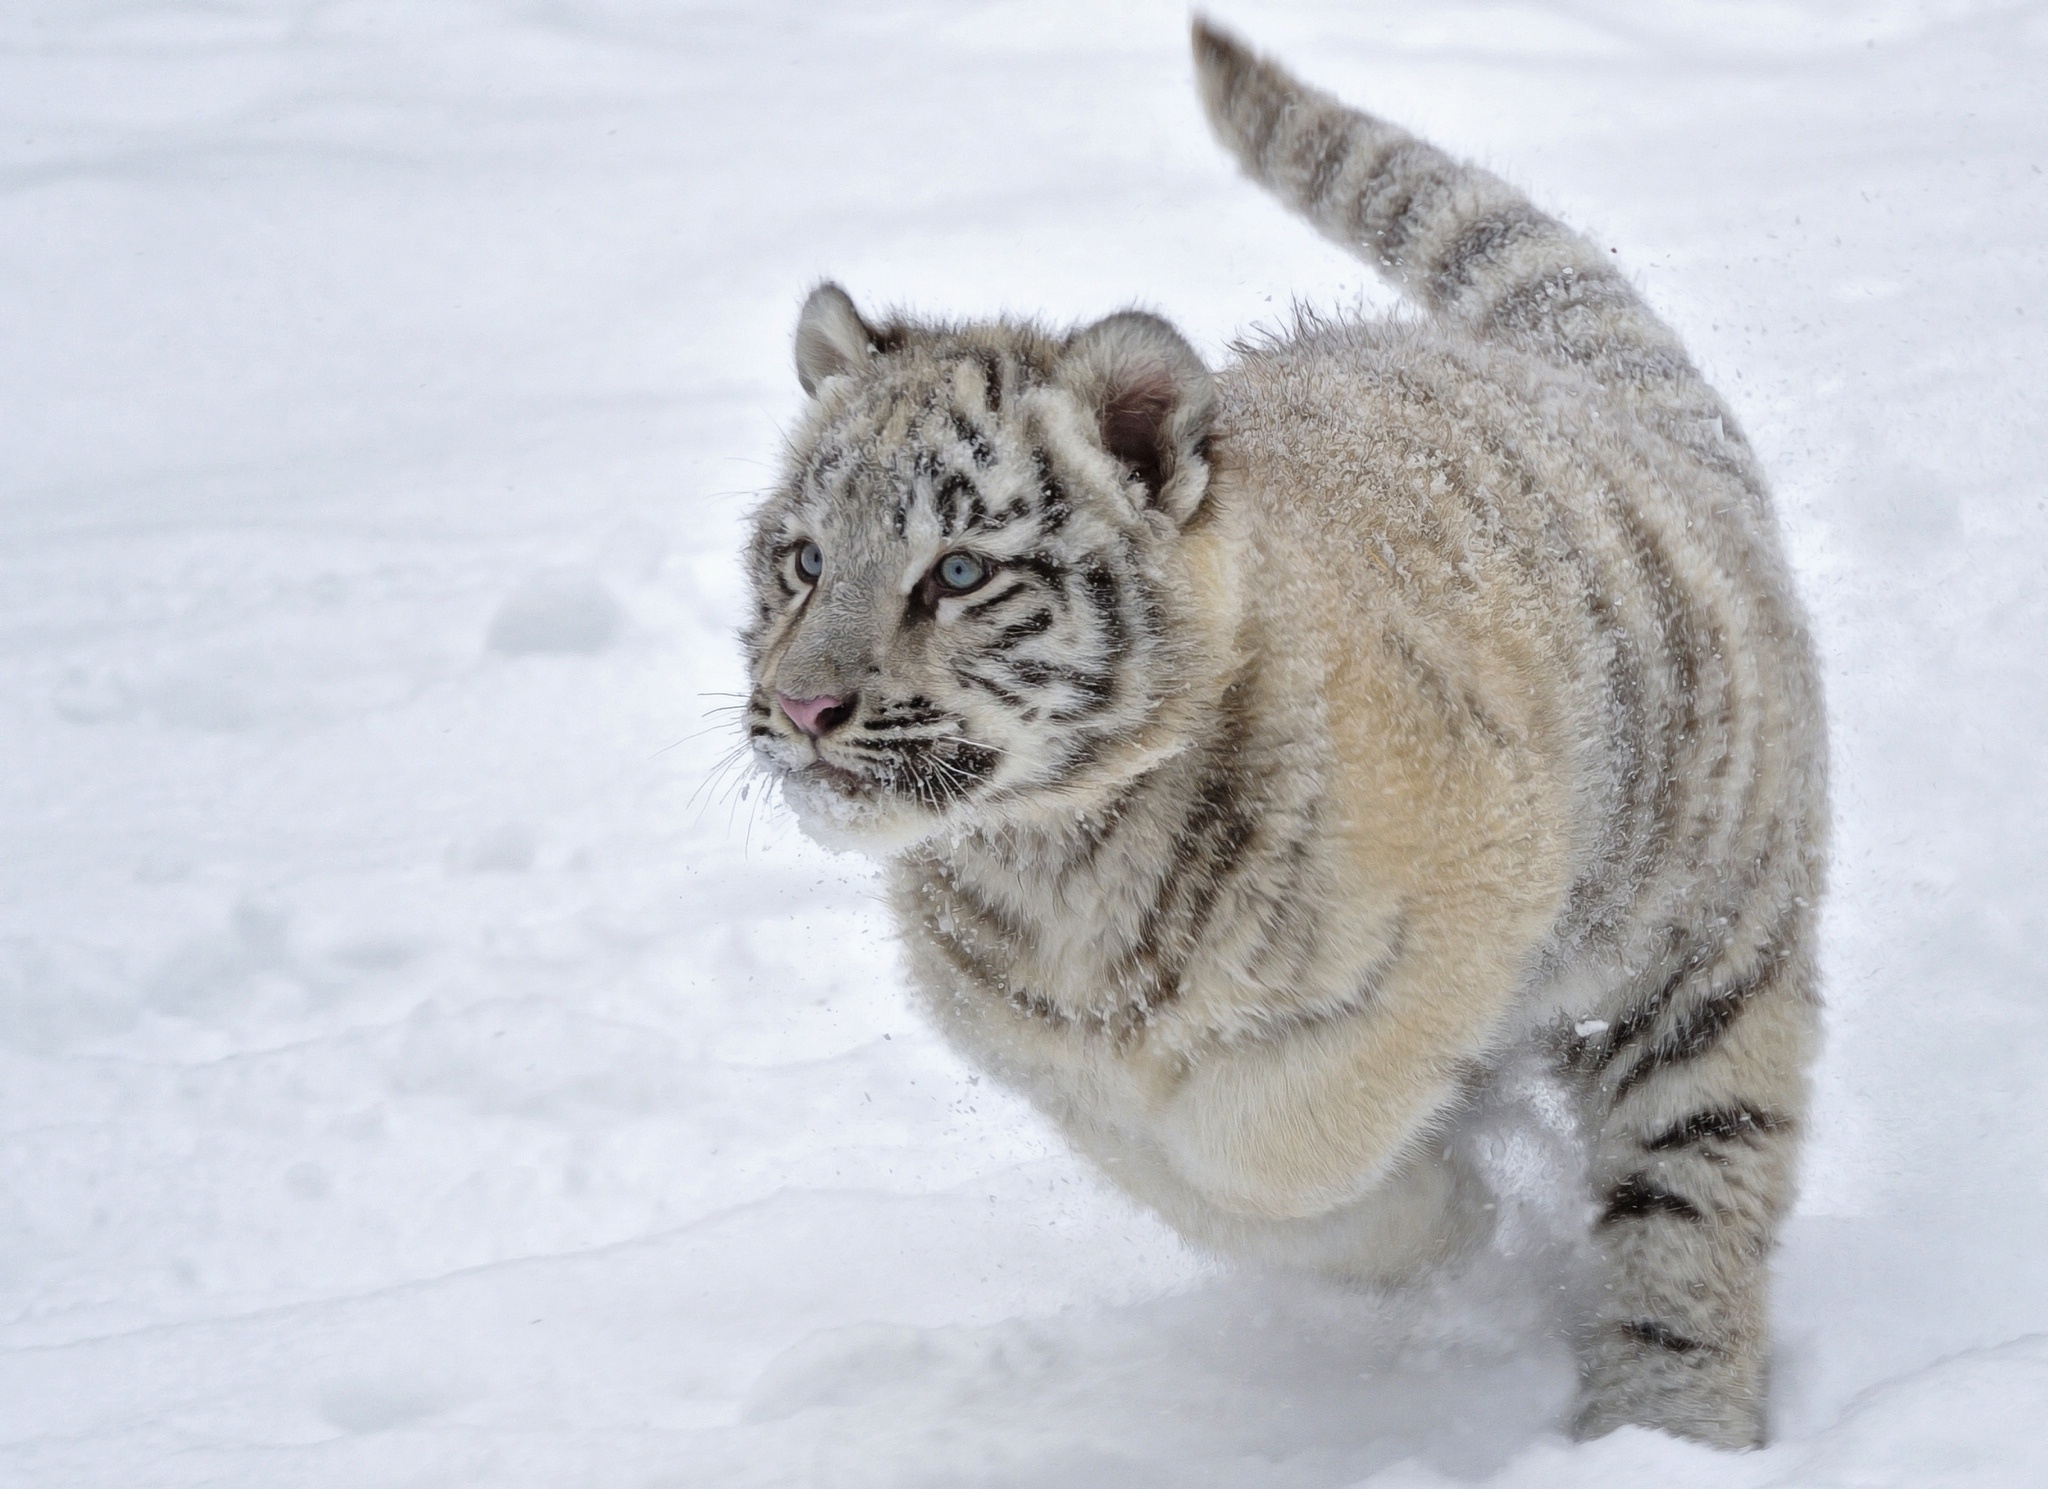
x=976 y=590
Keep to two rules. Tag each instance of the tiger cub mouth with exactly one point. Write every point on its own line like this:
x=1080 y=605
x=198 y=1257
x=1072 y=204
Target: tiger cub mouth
x=868 y=769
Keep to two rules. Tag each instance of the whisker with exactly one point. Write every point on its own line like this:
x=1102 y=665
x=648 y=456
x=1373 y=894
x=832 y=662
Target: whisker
x=699 y=734
x=741 y=783
x=753 y=810
x=707 y=788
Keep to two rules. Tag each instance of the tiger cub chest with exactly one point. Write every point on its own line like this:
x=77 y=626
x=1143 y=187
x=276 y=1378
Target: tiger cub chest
x=1127 y=958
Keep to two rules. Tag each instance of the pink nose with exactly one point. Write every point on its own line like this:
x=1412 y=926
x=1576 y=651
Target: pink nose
x=813 y=715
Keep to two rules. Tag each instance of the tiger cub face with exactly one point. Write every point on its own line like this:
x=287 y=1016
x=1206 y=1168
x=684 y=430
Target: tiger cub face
x=966 y=585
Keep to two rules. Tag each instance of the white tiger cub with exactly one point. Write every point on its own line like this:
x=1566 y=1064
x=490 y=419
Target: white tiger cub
x=1265 y=758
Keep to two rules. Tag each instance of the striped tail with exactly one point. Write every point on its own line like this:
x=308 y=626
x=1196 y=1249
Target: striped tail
x=1460 y=239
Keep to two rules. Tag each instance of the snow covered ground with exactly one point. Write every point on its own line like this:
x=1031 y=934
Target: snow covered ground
x=419 y=1066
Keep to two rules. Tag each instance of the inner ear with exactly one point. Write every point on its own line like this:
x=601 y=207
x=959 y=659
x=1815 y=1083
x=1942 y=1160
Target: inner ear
x=1134 y=426
x=1153 y=403
x=831 y=337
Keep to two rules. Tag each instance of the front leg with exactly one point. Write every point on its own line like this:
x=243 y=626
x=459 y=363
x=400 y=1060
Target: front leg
x=1305 y=1121
x=1694 y=1098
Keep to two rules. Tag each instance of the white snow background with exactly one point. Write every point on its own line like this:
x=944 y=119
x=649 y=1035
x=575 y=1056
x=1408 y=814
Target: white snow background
x=417 y=1067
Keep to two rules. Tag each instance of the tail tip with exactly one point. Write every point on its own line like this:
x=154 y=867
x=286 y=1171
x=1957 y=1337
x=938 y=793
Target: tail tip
x=1220 y=59
x=1245 y=96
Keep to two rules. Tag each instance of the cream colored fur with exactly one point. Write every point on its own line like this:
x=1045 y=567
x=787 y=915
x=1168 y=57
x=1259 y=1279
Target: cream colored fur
x=1408 y=696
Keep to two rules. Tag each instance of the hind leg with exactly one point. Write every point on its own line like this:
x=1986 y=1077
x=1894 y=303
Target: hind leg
x=1694 y=1101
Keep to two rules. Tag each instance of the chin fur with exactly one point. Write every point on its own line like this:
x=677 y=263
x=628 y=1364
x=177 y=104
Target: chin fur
x=879 y=825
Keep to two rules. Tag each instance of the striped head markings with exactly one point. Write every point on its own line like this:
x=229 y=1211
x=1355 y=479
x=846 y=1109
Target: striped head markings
x=958 y=574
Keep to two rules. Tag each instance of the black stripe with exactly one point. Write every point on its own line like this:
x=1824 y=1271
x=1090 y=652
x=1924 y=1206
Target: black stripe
x=976 y=442
x=1034 y=673
x=1603 y=893
x=1375 y=197
x=1095 y=832
x=957 y=939
x=1683 y=637
x=1208 y=850
x=1018 y=507
x=1424 y=187
x=1630 y=735
x=896 y=745
x=1663 y=738
x=989 y=604
x=1320 y=150
x=1537 y=305
x=992 y=385
x=1698 y=1032
x=1056 y=508
x=939 y=772
x=1726 y=1124
x=1048 y=569
x=1702 y=1027
x=956 y=503
x=1105 y=597
x=993 y=689
x=1658 y=1336
x=933 y=771
x=1015 y=634
x=1483 y=240
x=1638 y=1197
x=1288 y=922
x=1639 y=1019
x=1457 y=706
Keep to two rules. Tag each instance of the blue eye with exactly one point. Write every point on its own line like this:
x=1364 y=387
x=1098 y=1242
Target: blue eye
x=960 y=572
x=810 y=560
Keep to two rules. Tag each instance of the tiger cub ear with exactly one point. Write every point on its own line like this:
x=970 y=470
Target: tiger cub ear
x=1153 y=402
x=831 y=338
